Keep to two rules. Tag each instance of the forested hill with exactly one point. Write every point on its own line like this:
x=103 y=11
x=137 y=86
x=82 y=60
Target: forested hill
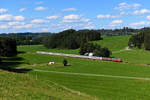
x=27 y=38
x=118 y=32
x=106 y=32
x=33 y=35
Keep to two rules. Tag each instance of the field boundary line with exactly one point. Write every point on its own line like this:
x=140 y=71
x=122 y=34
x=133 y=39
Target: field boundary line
x=97 y=75
x=78 y=93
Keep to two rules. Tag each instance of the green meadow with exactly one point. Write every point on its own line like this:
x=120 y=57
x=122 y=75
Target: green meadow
x=29 y=77
x=114 y=43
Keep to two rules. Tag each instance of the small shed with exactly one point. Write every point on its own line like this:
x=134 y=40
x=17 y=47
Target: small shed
x=51 y=63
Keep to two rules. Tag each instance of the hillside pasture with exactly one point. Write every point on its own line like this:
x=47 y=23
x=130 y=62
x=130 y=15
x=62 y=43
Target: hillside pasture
x=104 y=88
x=86 y=80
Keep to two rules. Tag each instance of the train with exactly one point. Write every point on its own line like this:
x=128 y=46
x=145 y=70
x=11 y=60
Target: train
x=81 y=56
x=111 y=59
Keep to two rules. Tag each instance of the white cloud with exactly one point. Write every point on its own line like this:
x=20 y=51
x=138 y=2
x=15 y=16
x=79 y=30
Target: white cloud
x=4 y=26
x=125 y=6
x=40 y=8
x=22 y=9
x=122 y=6
x=75 y=19
x=136 y=5
x=15 y=23
x=23 y=26
x=44 y=29
x=101 y=16
x=2 y=10
x=71 y=17
x=117 y=22
x=148 y=17
x=38 y=21
x=6 y=17
x=139 y=23
x=123 y=13
x=84 y=20
x=19 y=18
x=52 y=17
x=142 y=11
x=70 y=9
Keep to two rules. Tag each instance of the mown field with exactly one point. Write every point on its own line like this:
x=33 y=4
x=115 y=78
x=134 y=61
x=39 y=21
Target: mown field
x=103 y=88
x=18 y=84
x=38 y=82
x=118 y=46
x=34 y=48
x=114 y=43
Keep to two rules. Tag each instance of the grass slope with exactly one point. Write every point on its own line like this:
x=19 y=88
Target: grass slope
x=18 y=85
x=100 y=87
x=34 y=48
x=117 y=45
x=114 y=43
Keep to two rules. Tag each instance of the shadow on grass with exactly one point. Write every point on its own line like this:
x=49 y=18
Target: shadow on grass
x=20 y=52
x=13 y=59
x=10 y=64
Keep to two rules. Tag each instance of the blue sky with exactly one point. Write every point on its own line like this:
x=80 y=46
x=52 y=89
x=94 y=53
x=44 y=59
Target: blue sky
x=59 y=15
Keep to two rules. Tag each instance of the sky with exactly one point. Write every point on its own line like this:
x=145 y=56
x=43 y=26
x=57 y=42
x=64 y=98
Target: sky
x=59 y=15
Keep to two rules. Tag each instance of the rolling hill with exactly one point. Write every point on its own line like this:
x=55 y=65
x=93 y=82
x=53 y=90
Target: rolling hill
x=82 y=79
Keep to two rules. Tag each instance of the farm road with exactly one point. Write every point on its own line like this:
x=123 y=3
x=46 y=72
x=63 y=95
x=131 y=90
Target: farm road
x=126 y=49
x=96 y=75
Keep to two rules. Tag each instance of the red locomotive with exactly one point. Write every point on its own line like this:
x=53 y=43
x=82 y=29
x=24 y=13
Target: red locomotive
x=111 y=59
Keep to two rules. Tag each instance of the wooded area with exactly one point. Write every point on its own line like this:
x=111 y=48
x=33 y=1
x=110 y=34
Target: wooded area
x=8 y=47
x=141 y=39
x=71 y=39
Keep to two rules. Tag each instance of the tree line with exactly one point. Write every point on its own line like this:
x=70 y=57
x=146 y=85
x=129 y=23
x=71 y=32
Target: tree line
x=27 y=38
x=141 y=39
x=118 y=32
x=71 y=39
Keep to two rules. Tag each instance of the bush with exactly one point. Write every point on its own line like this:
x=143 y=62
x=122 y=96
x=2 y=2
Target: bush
x=0 y=60
x=140 y=39
x=96 y=49
x=8 y=47
x=65 y=62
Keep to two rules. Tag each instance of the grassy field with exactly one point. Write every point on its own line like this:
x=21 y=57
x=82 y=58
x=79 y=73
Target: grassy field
x=26 y=87
x=56 y=86
x=114 y=43
x=35 y=48
x=118 y=45
x=101 y=87
x=18 y=84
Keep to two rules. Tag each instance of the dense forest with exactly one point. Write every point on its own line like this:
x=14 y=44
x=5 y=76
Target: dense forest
x=141 y=39
x=8 y=47
x=71 y=39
